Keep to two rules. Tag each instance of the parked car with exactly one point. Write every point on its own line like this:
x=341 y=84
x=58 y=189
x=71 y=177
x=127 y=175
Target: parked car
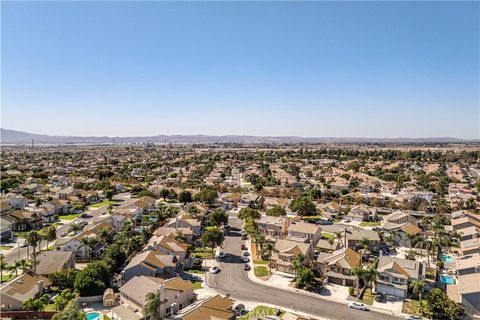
x=379 y=297
x=347 y=220
x=86 y=215
x=215 y=270
x=357 y=306
x=246 y=253
x=64 y=234
x=323 y=221
x=246 y=267
x=239 y=310
x=24 y=244
x=245 y=259
x=243 y=247
x=244 y=237
x=221 y=255
x=413 y=317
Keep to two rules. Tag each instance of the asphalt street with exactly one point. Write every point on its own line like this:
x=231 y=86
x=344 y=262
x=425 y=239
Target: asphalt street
x=233 y=280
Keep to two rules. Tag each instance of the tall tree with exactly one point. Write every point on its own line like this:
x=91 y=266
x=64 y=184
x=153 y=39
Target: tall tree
x=32 y=239
x=153 y=301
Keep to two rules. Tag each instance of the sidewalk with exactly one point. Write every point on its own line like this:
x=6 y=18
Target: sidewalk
x=284 y=284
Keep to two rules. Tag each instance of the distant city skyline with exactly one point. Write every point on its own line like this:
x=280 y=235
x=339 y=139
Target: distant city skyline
x=307 y=69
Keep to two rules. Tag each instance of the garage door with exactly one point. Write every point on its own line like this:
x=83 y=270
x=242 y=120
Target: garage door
x=390 y=291
x=335 y=280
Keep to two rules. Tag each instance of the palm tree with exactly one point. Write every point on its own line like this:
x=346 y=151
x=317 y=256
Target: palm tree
x=3 y=265
x=50 y=234
x=358 y=272
x=32 y=239
x=267 y=251
x=75 y=228
x=417 y=287
x=23 y=264
x=153 y=301
x=298 y=262
x=89 y=243
x=370 y=275
x=104 y=235
x=365 y=245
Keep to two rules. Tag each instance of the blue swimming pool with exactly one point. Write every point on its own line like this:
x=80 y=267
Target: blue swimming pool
x=447 y=280
x=446 y=258
x=94 y=316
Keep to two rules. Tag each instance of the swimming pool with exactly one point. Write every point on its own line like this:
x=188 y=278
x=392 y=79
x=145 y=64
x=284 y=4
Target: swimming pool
x=447 y=280
x=446 y=258
x=94 y=316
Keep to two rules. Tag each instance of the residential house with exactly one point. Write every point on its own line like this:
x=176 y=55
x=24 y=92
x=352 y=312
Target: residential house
x=27 y=286
x=470 y=246
x=304 y=232
x=287 y=251
x=175 y=294
x=397 y=219
x=354 y=237
x=395 y=275
x=151 y=263
x=185 y=221
x=250 y=200
x=52 y=261
x=169 y=245
x=467 y=264
x=336 y=266
x=185 y=233
x=274 y=227
x=466 y=291
x=25 y=220
x=5 y=228
x=216 y=307
x=362 y=212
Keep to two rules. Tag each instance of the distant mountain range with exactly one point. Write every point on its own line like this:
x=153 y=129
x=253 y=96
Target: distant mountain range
x=20 y=137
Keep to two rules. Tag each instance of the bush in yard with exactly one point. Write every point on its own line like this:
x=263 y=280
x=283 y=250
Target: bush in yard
x=351 y=291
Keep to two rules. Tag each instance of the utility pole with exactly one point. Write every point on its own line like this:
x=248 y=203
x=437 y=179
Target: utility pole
x=33 y=143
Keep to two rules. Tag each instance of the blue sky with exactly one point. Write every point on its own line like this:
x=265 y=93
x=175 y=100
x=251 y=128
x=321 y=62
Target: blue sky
x=364 y=69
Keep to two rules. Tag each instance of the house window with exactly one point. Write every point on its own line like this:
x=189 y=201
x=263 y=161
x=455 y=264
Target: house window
x=168 y=310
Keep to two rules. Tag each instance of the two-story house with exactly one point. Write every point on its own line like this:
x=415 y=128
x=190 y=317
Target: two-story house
x=175 y=295
x=336 y=266
x=274 y=227
x=151 y=263
x=287 y=251
x=304 y=232
x=395 y=275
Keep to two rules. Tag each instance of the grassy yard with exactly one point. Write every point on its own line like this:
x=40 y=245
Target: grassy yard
x=105 y=317
x=326 y=235
x=261 y=271
x=259 y=311
x=103 y=203
x=69 y=216
x=7 y=277
x=411 y=307
x=197 y=285
x=368 y=297
x=20 y=234
x=370 y=224
x=204 y=253
x=265 y=262
x=193 y=271
x=5 y=247
x=49 y=307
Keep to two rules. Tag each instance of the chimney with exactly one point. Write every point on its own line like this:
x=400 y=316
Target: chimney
x=40 y=286
x=161 y=287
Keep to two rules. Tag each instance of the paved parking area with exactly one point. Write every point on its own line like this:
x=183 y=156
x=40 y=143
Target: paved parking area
x=335 y=292
x=391 y=304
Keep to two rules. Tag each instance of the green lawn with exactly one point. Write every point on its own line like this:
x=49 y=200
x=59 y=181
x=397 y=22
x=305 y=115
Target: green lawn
x=411 y=307
x=204 y=254
x=368 y=297
x=370 y=224
x=5 y=247
x=261 y=271
x=259 y=311
x=326 y=235
x=197 y=285
x=20 y=234
x=103 y=203
x=265 y=262
x=7 y=277
x=193 y=271
x=105 y=317
x=69 y=216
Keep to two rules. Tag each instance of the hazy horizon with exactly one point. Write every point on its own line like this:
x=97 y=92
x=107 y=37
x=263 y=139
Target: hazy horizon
x=304 y=69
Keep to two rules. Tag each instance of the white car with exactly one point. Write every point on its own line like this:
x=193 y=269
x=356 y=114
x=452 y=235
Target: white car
x=215 y=270
x=357 y=306
x=221 y=255
x=246 y=253
x=413 y=317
